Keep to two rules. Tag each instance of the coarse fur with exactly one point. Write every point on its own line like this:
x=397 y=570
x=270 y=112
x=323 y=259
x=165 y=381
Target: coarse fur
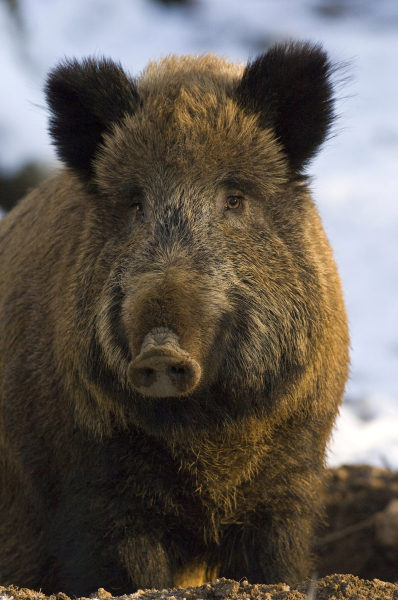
x=183 y=206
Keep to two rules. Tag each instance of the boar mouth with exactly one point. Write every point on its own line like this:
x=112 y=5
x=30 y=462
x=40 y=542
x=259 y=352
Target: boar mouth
x=162 y=368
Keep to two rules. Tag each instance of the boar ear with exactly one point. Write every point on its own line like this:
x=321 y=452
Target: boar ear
x=85 y=100
x=290 y=89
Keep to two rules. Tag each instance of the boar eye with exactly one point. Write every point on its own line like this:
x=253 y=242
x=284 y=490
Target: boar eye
x=138 y=207
x=233 y=202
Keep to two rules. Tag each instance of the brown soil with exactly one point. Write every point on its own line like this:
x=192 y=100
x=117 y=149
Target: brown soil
x=360 y=542
x=334 y=587
x=362 y=535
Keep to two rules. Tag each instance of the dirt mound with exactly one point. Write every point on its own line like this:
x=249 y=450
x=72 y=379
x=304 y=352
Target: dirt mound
x=334 y=587
x=362 y=534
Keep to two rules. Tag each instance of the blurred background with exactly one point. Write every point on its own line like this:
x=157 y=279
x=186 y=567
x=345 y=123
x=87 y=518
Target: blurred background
x=355 y=176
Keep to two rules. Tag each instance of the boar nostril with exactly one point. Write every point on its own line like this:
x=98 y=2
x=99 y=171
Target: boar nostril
x=146 y=374
x=182 y=375
x=177 y=371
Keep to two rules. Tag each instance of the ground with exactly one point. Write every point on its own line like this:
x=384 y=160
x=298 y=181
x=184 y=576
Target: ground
x=334 y=587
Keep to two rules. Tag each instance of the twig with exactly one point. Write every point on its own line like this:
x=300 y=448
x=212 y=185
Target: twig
x=338 y=535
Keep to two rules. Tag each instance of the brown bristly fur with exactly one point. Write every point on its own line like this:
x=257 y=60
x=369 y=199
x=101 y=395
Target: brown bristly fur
x=101 y=486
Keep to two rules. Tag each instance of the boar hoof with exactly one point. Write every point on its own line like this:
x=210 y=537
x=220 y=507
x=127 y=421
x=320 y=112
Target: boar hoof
x=163 y=369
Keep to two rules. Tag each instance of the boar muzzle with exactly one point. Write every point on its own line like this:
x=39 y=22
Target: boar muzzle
x=163 y=368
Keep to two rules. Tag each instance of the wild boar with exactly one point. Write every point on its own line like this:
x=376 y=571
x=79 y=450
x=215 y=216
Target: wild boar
x=173 y=337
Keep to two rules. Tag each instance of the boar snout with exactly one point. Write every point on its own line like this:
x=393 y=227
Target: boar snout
x=163 y=368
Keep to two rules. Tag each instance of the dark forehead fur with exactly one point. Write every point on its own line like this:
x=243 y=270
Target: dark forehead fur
x=190 y=121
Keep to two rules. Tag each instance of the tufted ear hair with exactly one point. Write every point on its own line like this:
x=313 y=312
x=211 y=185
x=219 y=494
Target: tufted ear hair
x=289 y=88
x=85 y=100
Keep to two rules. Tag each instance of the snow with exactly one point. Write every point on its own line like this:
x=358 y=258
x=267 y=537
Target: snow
x=355 y=176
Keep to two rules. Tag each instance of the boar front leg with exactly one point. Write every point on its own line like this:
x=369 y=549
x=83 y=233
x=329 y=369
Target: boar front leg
x=146 y=562
x=268 y=550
